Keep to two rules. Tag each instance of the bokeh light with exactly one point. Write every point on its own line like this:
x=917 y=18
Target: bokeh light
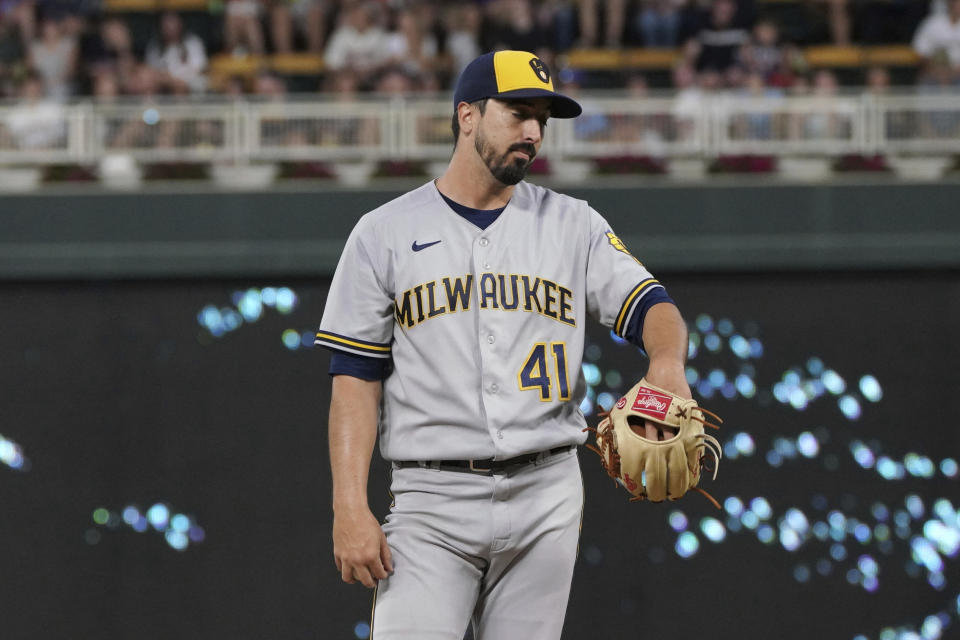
x=11 y=455
x=870 y=388
x=687 y=544
x=248 y=308
x=179 y=530
x=678 y=521
x=948 y=467
x=712 y=529
x=850 y=407
x=361 y=630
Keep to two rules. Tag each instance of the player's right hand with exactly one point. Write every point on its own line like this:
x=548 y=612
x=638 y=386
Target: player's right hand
x=360 y=547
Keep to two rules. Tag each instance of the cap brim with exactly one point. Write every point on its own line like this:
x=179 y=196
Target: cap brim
x=560 y=105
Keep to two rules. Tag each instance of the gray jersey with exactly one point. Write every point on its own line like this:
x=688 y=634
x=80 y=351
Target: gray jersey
x=485 y=327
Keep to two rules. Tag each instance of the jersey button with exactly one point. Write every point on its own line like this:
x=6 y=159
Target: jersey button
x=484 y=242
x=486 y=266
x=494 y=388
x=491 y=339
x=500 y=434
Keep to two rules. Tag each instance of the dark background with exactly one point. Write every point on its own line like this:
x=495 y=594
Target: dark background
x=118 y=396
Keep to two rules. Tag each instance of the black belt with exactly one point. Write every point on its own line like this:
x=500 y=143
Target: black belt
x=486 y=467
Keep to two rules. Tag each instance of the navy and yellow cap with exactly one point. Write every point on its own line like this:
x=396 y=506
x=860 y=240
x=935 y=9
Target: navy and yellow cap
x=512 y=74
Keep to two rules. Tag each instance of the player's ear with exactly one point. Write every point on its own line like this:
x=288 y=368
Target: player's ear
x=467 y=116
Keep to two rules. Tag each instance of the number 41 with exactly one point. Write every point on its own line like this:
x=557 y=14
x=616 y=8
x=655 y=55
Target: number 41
x=535 y=371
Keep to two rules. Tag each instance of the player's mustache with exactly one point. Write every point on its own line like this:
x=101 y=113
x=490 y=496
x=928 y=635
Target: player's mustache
x=525 y=147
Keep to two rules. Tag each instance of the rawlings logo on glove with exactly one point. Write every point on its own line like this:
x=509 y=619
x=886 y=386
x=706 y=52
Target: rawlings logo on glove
x=656 y=470
x=651 y=403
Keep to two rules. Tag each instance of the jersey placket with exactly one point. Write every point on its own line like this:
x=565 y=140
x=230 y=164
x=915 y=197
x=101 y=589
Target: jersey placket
x=483 y=251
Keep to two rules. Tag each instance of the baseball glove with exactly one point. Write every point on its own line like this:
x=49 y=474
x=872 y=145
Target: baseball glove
x=656 y=470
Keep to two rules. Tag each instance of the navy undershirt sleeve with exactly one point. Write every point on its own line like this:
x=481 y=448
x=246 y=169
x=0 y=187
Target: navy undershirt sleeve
x=634 y=331
x=363 y=367
x=483 y=218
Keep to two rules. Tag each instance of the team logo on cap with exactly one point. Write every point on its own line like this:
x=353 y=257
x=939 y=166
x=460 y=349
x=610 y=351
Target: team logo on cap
x=540 y=69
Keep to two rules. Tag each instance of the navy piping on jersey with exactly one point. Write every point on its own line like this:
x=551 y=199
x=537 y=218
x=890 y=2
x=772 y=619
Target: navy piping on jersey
x=483 y=218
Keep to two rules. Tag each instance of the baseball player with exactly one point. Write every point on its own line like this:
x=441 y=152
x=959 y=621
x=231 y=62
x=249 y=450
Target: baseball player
x=456 y=317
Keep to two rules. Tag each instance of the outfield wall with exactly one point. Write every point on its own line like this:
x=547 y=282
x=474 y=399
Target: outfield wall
x=184 y=231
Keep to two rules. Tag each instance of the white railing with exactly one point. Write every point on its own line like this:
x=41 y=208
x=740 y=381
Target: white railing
x=684 y=125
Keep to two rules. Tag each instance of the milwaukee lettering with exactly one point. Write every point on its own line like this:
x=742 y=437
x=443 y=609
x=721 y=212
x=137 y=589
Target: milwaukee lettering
x=503 y=292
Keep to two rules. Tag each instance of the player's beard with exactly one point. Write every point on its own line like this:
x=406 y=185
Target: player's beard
x=503 y=167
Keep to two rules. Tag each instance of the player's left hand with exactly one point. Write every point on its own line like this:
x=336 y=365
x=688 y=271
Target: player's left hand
x=670 y=375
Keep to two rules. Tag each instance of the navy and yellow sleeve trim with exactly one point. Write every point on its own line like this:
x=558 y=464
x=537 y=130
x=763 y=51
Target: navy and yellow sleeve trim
x=352 y=345
x=634 y=295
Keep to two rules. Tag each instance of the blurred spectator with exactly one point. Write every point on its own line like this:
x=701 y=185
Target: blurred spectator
x=18 y=20
x=309 y=15
x=658 y=21
x=800 y=85
x=515 y=25
x=341 y=86
x=281 y=25
x=716 y=46
x=35 y=122
x=54 y=58
x=409 y=46
x=838 y=19
x=269 y=85
x=895 y=122
x=877 y=80
x=394 y=82
x=464 y=23
x=614 y=17
x=180 y=57
x=826 y=117
x=762 y=55
x=145 y=82
x=559 y=18
x=109 y=50
x=592 y=124
x=234 y=87
x=688 y=101
x=338 y=132
x=357 y=44
x=769 y=58
x=106 y=87
x=758 y=125
x=937 y=42
x=242 y=33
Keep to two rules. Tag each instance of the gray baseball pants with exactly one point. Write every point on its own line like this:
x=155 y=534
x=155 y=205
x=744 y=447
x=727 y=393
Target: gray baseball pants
x=495 y=550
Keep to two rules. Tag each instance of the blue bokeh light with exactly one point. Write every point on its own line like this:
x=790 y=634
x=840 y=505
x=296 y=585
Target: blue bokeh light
x=712 y=529
x=687 y=544
x=870 y=388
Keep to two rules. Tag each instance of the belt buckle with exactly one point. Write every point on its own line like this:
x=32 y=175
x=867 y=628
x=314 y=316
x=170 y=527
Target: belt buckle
x=479 y=470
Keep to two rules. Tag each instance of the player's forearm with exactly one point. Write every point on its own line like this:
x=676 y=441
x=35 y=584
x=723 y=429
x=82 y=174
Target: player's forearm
x=353 y=432
x=665 y=335
x=665 y=340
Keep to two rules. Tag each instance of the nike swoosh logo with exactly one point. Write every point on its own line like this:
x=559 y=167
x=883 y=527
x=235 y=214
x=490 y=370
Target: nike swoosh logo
x=421 y=247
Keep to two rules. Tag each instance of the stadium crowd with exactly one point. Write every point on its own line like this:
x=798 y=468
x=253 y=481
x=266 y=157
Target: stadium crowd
x=66 y=48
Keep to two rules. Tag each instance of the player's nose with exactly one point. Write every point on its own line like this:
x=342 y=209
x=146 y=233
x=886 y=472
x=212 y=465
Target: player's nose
x=532 y=130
